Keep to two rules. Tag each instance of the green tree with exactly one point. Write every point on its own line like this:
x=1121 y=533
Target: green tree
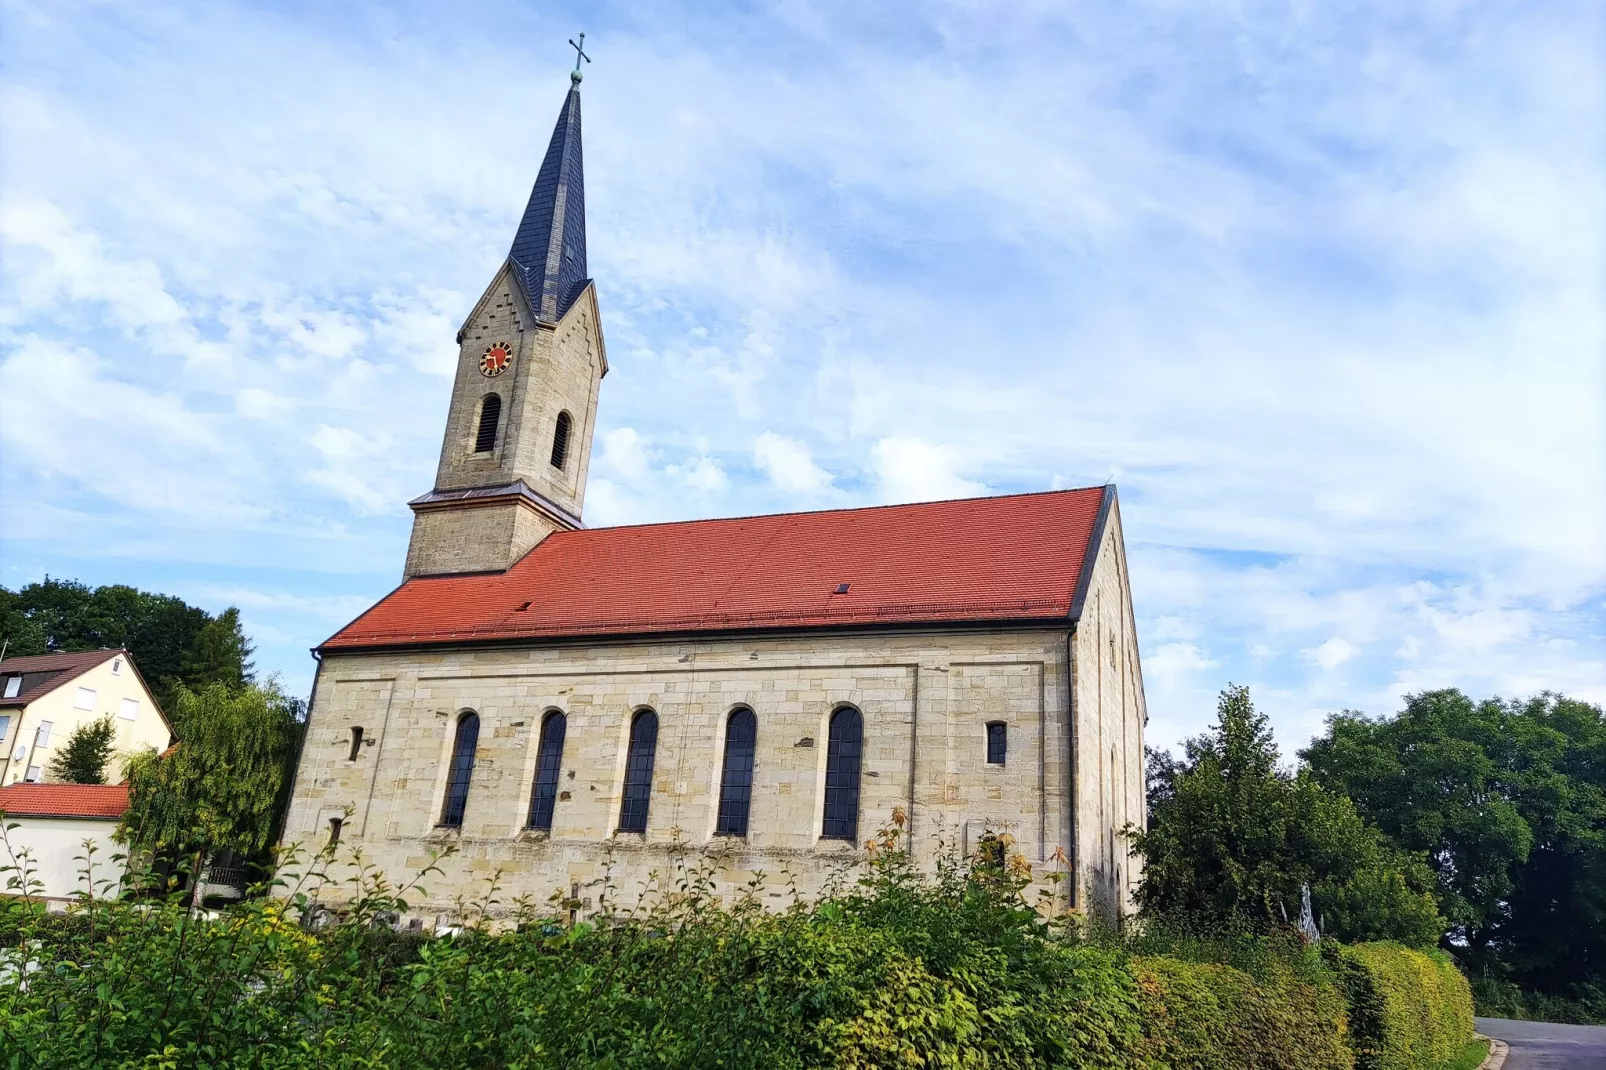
x=1508 y=801
x=172 y=642
x=1232 y=838
x=223 y=787
x=83 y=759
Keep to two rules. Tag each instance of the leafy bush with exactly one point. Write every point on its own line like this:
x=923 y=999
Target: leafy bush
x=1199 y=1016
x=1409 y=1010
x=1494 y=998
x=902 y=969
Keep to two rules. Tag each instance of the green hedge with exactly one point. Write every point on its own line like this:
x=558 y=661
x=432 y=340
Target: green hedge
x=1202 y=1016
x=1409 y=1010
x=902 y=971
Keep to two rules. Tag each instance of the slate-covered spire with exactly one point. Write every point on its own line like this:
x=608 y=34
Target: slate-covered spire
x=549 y=250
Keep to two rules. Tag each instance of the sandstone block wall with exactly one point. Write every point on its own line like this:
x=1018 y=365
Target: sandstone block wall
x=925 y=700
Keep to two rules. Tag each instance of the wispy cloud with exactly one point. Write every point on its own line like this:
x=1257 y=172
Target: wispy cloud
x=1319 y=287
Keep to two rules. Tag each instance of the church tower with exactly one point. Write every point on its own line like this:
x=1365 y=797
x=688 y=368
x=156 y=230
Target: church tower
x=524 y=400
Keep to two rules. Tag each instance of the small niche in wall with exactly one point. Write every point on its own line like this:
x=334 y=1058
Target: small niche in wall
x=356 y=743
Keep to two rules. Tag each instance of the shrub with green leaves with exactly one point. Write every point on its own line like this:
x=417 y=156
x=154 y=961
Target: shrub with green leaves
x=1409 y=1009
x=900 y=969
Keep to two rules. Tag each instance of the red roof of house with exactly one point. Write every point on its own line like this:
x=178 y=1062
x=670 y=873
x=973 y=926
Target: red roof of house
x=1016 y=557
x=43 y=673
x=103 y=801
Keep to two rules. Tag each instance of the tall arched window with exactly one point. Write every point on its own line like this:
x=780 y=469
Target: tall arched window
x=638 y=772
x=736 y=782
x=548 y=762
x=461 y=769
x=842 y=775
x=490 y=416
x=560 y=440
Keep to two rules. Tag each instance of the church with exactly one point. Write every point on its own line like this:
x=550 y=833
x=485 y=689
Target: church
x=576 y=707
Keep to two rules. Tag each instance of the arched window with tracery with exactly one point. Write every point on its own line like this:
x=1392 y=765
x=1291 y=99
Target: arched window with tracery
x=548 y=763
x=844 y=746
x=461 y=771
x=560 y=440
x=736 y=780
x=638 y=772
x=490 y=417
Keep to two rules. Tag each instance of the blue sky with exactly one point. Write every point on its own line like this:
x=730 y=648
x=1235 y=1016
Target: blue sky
x=1322 y=287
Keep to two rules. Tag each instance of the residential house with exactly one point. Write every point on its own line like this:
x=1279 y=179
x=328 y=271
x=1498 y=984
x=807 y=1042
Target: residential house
x=45 y=697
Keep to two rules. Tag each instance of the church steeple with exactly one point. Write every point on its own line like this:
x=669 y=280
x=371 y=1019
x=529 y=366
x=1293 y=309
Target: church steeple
x=530 y=364
x=549 y=251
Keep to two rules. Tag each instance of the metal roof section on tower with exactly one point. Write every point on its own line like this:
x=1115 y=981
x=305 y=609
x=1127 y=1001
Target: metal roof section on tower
x=549 y=251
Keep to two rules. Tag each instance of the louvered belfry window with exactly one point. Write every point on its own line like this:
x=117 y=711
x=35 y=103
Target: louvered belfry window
x=560 y=441
x=843 y=749
x=461 y=770
x=490 y=416
x=548 y=762
x=997 y=742
x=638 y=772
x=736 y=782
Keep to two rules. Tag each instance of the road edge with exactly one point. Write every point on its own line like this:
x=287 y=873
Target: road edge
x=1498 y=1050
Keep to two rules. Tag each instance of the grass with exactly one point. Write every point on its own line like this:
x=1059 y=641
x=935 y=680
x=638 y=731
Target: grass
x=1471 y=1056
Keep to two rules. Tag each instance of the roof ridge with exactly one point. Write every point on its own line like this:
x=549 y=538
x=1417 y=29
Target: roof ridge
x=841 y=509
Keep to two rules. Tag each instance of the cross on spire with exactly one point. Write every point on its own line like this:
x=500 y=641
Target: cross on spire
x=579 y=54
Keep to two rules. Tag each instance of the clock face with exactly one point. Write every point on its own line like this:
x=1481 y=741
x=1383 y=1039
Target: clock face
x=498 y=355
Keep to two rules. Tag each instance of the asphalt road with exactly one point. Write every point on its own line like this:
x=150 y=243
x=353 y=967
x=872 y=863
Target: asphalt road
x=1543 y=1046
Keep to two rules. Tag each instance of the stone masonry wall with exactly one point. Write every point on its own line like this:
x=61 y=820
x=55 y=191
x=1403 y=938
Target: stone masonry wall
x=925 y=701
x=1110 y=718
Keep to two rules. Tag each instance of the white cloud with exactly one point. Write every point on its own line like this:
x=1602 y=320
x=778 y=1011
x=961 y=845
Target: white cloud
x=1334 y=321
x=913 y=470
x=1333 y=653
x=624 y=450
x=789 y=464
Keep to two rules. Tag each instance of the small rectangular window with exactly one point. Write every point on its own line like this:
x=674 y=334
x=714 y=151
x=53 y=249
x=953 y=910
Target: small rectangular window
x=86 y=699
x=356 y=743
x=129 y=710
x=117 y=667
x=33 y=775
x=5 y=726
x=13 y=686
x=41 y=735
x=997 y=742
x=334 y=830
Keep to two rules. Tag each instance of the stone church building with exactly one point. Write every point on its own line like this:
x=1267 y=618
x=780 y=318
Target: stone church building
x=567 y=704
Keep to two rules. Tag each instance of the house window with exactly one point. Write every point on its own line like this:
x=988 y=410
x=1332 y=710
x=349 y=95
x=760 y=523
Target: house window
x=843 y=748
x=5 y=726
x=997 y=742
x=129 y=709
x=356 y=743
x=548 y=763
x=560 y=441
x=490 y=416
x=41 y=735
x=13 y=686
x=335 y=824
x=117 y=667
x=638 y=772
x=85 y=700
x=32 y=776
x=736 y=782
x=461 y=769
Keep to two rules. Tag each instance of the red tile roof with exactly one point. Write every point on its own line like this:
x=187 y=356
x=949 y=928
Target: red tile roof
x=43 y=673
x=1017 y=557
x=102 y=801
